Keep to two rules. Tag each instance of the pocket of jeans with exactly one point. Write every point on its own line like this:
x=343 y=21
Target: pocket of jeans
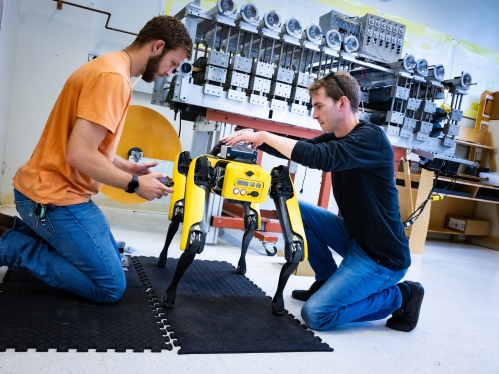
x=26 y=209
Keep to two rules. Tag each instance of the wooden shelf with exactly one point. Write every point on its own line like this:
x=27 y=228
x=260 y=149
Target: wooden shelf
x=476 y=189
x=462 y=205
x=442 y=230
x=463 y=199
x=476 y=145
x=416 y=178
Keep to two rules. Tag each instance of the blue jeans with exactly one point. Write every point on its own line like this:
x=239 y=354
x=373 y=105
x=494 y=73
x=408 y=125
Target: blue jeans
x=72 y=250
x=358 y=290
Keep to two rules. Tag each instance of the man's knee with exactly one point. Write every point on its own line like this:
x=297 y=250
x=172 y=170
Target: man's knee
x=305 y=212
x=113 y=293
x=316 y=319
x=311 y=317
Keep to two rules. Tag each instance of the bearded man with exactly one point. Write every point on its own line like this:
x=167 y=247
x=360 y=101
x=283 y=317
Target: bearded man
x=63 y=238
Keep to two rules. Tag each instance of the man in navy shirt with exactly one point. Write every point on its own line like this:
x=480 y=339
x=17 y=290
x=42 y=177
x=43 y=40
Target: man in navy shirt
x=369 y=234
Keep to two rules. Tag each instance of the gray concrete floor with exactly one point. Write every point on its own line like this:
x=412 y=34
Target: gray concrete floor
x=458 y=331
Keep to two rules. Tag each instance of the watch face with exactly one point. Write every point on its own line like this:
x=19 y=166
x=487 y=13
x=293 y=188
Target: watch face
x=133 y=186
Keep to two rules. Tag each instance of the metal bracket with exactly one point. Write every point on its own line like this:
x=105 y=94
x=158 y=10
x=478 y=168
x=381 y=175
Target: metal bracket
x=206 y=125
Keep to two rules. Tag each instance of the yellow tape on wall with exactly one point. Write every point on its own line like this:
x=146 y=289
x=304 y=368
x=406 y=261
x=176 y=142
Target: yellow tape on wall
x=351 y=7
x=154 y=134
x=489 y=54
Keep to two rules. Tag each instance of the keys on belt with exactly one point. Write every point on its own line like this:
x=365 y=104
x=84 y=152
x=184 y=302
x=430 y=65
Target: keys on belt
x=40 y=213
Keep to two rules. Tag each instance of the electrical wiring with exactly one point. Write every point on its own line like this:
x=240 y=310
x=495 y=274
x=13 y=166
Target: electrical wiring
x=363 y=74
x=452 y=183
x=349 y=26
x=363 y=51
x=346 y=23
x=419 y=210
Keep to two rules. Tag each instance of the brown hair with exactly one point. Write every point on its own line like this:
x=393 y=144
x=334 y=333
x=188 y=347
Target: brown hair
x=168 y=29
x=335 y=92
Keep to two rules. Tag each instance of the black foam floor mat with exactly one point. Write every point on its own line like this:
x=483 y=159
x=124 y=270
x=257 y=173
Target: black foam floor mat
x=36 y=316
x=219 y=311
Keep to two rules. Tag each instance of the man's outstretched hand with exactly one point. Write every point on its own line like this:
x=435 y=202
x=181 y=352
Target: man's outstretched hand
x=244 y=136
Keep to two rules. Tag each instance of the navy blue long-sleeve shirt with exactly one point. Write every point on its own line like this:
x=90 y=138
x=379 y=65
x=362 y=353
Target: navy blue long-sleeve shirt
x=362 y=167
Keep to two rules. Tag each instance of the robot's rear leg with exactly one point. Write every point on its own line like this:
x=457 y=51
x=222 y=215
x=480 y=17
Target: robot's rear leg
x=286 y=270
x=251 y=223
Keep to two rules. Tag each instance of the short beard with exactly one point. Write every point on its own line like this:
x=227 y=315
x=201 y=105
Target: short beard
x=152 y=67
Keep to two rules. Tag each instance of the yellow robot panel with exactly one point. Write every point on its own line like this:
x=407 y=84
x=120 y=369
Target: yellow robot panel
x=178 y=188
x=194 y=204
x=246 y=182
x=296 y=221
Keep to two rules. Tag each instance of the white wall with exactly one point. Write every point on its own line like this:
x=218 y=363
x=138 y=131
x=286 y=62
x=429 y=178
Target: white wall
x=51 y=44
x=9 y=20
x=41 y=46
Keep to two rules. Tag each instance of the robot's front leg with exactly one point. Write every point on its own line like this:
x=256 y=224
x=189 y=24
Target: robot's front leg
x=250 y=225
x=195 y=243
x=288 y=212
x=177 y=219
x=195 y=222
x=176 y=212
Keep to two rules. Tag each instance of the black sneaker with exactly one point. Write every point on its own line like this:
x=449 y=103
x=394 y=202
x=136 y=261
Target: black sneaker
x=2 y=230
x=304 y=295
x=407 y=319
x=6 y=221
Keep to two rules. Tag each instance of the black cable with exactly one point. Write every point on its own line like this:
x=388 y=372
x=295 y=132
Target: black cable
x=303 y=182
x=179 y=125
x=419 y=210
x=97 y=11
x=451 y=183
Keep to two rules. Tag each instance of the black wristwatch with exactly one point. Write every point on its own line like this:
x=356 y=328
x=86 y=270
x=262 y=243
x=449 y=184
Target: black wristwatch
x=133 y=186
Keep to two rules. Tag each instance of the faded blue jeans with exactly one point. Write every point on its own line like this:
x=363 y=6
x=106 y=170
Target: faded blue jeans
x=358 y=290
x=72 y=250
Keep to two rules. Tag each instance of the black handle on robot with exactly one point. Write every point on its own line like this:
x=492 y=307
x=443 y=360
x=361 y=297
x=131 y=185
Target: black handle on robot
x=216 y=149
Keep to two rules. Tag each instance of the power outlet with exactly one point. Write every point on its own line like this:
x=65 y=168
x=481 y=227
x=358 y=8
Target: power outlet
x=91 y=56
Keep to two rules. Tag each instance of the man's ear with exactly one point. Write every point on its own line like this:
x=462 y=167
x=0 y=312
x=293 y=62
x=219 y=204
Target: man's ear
x=343 y=102
x=157 y=47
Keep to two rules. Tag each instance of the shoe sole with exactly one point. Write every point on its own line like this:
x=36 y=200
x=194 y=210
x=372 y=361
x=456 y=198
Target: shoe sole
x=405 y=327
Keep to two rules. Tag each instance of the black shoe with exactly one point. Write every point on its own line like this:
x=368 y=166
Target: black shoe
x=407 y=319
x=2 y=230
x=304 y=295
x=7 y=221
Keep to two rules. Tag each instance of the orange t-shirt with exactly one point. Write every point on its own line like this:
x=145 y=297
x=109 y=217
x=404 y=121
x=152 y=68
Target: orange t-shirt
x=100 y=92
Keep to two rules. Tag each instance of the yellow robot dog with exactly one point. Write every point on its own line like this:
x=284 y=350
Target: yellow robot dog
x=176 y=213
x=234 y=175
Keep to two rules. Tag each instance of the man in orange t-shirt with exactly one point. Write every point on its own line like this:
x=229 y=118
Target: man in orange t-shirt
x=63 y=238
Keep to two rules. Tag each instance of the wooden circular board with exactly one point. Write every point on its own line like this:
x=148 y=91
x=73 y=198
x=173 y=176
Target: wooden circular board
x=154 y=134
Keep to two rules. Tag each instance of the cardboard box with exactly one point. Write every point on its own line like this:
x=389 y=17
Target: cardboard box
x=467 y=226
x=494 y=107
